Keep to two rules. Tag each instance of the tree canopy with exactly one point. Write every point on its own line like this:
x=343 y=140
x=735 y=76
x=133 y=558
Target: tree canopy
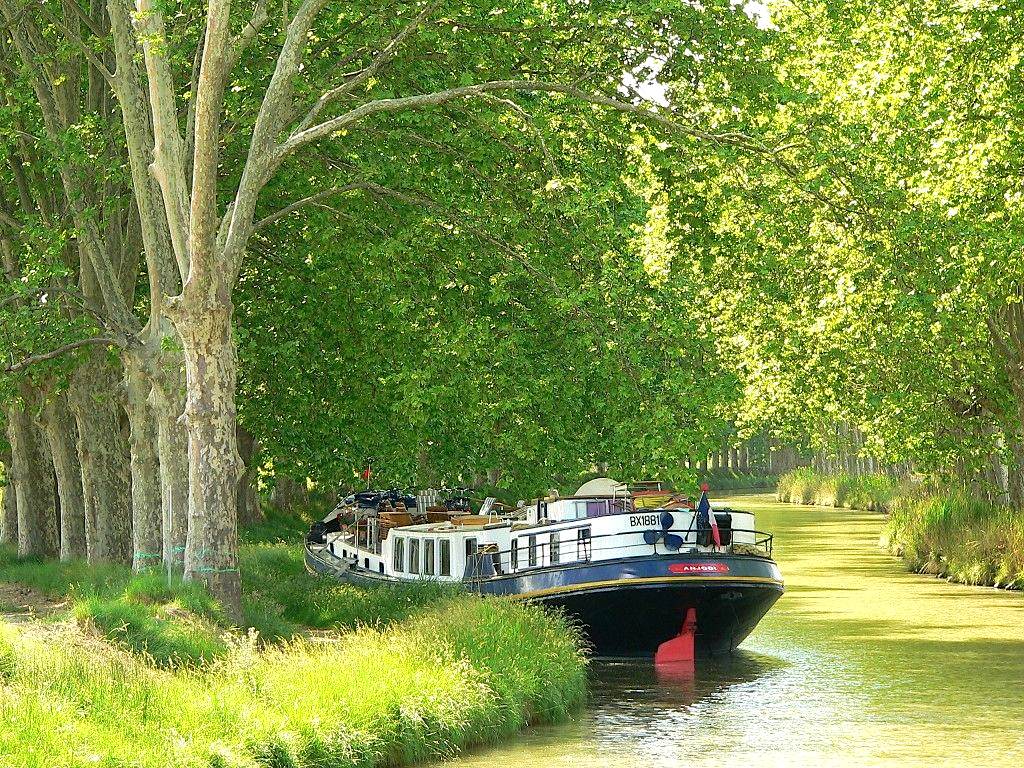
x=514 y=242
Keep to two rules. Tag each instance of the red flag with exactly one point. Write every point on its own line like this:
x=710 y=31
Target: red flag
x=366 y=474
x=714 y=530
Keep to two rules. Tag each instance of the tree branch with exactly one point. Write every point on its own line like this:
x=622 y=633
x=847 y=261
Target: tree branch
x=996 y=333
x=79 y=43
x=87 y=20
x=169 y=153
x=252 y=28
x=12 y=223
x=386 y=55
x=263 y=158
x=315 y=132
x=280 y=214
x=54 y=353
x=548 y=157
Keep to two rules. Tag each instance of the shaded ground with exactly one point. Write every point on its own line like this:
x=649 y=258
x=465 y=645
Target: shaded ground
x=21 y=603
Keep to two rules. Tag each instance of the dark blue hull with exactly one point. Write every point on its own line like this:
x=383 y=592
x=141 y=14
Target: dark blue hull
x=629 y=606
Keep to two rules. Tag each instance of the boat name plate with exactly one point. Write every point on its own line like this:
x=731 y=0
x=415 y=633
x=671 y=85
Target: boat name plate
x=698 y=568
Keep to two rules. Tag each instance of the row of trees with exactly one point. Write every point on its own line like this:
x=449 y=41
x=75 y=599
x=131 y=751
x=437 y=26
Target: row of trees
x=875 y=306
x=420 y=209
x=508 y=241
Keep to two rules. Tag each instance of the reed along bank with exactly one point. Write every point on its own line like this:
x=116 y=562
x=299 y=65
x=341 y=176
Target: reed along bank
x=939 y=530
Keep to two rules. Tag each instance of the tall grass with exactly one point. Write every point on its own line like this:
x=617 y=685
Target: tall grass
x=870 y=492
x=956 y=536
x=466 y=671
x=171 y=621
x=149 y=674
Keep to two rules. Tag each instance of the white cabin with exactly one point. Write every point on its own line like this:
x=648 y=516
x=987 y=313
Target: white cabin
x=551 y=532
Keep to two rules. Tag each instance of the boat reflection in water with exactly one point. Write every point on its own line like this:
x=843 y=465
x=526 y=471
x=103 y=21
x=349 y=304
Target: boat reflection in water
x=637 y=715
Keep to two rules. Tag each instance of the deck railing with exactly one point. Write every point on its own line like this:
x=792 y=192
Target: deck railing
x=490 y=562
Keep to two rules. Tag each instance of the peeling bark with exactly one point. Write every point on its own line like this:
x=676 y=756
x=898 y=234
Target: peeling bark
x=168 y=402
x=211 y=549
x=104 y=456
x=62 y=436
x=33 y=476
x=147 y=512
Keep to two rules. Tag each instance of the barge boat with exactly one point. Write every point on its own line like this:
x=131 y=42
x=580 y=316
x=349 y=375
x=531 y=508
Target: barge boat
x=643 y=569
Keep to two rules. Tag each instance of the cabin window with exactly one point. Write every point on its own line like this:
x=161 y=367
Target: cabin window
x=553 y=549
x=446 y=558
x=583 y=544
x=514 y=554
x=428 y=557
x=597 y=508
x=532 y=551
x=399 y=555
x=414 y=555
x=620 y=506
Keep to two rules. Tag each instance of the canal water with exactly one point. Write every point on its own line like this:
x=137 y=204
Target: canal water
x=859 y=664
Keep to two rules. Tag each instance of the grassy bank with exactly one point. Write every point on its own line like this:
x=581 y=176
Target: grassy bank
x=870 y=492
x=130 y=671
x=953 y=535
x=946 y=533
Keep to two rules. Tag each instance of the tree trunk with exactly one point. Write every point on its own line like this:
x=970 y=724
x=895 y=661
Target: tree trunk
x=211 y=549
x=147 y=512
x=33 y=483
x=9 y=518
x=249 y=510
x=61 y=434
x=104 y=456
x=172 y=444
x=1014 y=468
x=287 y=492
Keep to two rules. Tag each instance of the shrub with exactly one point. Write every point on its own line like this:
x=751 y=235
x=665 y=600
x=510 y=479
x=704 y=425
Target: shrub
x=726 y=480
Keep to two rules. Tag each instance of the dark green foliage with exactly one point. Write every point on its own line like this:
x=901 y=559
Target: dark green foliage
x=737 y=481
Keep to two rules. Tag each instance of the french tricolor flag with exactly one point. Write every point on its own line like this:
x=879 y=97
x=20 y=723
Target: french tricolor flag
x=706 y=517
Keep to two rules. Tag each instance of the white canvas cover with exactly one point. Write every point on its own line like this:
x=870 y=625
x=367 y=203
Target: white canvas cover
x=603 y=486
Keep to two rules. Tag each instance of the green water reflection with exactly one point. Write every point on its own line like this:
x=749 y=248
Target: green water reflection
x=860 y=664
